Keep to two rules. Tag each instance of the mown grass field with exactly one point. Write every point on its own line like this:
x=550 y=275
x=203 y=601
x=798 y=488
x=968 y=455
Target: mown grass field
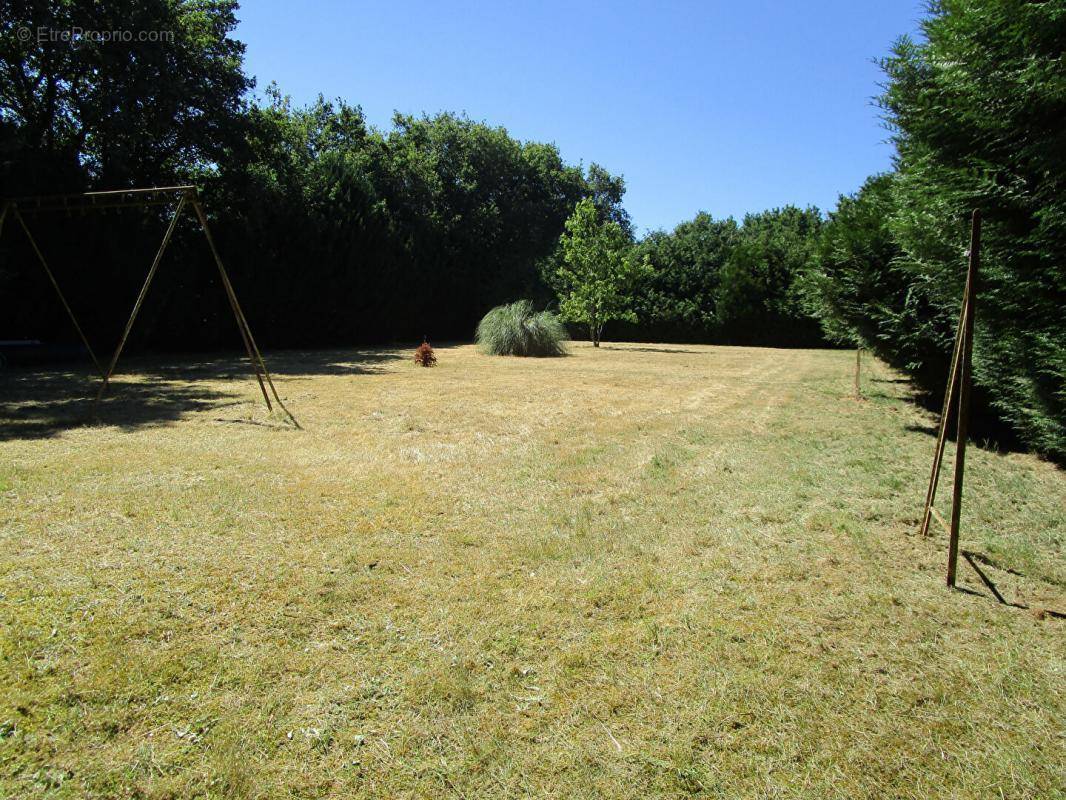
x=639 y=571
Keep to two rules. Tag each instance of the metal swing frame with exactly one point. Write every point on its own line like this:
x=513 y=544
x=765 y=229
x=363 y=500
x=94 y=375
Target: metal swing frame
x=186 y=195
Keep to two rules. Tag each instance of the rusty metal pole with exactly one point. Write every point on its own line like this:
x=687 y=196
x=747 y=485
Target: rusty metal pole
x=945 y=416
x=139 y=301
x=858 y=373
x=242 y=321
x=231 y=296
x=965 y=379
x=55 y=285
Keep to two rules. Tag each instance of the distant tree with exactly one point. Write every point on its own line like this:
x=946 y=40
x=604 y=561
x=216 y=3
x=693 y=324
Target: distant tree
x=456 y=207
x=676 y=298
x=607 y=192
x=597 y=274
x=854 y=286
x=759 y=298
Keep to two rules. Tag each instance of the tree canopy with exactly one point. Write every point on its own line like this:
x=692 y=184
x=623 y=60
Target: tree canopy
x=104 y=113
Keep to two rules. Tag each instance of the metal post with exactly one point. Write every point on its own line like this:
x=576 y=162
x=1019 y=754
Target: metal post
x=139 y=301
x=945 y=415
x=232 y=298
x=246 y=332
x=965 y=377
x=55 y=285
x=858 y=373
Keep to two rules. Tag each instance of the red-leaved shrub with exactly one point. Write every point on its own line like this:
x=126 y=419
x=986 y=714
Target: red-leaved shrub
x=424 y=355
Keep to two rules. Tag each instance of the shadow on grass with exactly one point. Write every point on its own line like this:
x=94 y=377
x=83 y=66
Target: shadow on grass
x=35 y=405
x=649 y=349
x=290 y=363
x=974 y=559
x=928 y=430
x=985 y=434
x=40 y=402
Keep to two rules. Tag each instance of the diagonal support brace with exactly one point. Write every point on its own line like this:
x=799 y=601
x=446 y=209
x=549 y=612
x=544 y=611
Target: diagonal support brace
x=140 y=300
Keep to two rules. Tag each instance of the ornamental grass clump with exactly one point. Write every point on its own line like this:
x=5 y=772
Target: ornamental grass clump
x=517 y=330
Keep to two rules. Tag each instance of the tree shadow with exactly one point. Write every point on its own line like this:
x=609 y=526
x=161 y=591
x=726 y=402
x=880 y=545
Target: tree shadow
x=39 y=405
x=289 y=363
x=44 y=401
x=984 y=436
x=928 y=430
x=987 y=430
x=650 y=349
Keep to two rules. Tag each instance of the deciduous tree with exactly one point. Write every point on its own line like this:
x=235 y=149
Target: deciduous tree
x=597 y=275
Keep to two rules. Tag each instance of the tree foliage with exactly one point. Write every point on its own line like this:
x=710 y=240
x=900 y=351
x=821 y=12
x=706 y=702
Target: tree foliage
x=719 y=281
x=856 y=289
x=99 y=113
x=977 y=111
x=597 y=275
x=116 y=113
x=759 y=298
x=676 y=298
x=457 y=208
x=327 y=226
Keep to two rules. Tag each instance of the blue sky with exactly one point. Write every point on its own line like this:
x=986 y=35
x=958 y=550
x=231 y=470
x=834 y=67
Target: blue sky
x=724 y=107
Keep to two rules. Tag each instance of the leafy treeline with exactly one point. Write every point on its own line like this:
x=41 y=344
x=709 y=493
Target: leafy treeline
x=337 y=232
x=347 y=234
x=720 y=281
x=334 y=231
x=978 y=111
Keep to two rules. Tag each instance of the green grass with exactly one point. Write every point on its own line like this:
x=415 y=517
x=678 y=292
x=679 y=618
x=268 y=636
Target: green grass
x=661 y=571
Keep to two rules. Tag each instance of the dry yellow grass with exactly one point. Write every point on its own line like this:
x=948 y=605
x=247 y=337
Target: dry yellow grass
x=638 y=571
